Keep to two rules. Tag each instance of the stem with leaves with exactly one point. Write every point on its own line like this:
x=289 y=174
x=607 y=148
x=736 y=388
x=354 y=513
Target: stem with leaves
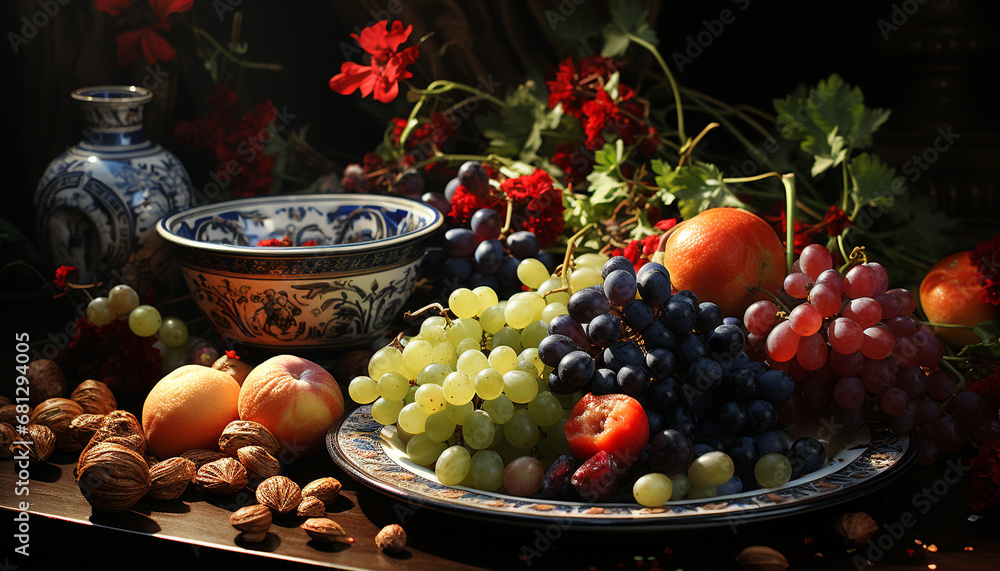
x=670 y=79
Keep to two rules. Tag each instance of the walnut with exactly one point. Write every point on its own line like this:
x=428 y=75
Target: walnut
x=223 y=476
x=8 y=414
x=84 y=426
x=122 y=425
x=253 y=521
x=169 y=479
x=4 y=401
x=57 y=414
x=311 y=506
x=326 y=489
x=202 y=456
x=279 y=493
x=258 y=462
x=391 y=538
x=240 y=433
x=760 y=558
x=325 y=529
x=94 y=397
x=112 y=477
x=38 y=444
x=7 y=437
x=46 y=380
x=855 y=528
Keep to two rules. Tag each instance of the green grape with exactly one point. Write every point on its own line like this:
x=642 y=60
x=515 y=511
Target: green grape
x=518 y=313
x=534 y=300
x=433 y=373
x=458 y=413
x=417 y=355
x=696 y=493
x=144 y=320
x=500 y=409
x=363 y=390
x=430 y=397
x=386 y=411
x=122 y=299
x=652 y=490
x=478 y=429
x=508 y=337
x=469 y=344
x=681 y=485
x=545 y=410
x=487 y=470
x=439 y=427
x=772 y=470
x=99 y=311
x=583 y=278
x=492 y=319
x=433 y=322
x=548 y=293
x=388 y=359
x=411 y=395
x=554 y=310
x=520 y=387
x=489 y=384
x=173 y=332
x=503 y=358
x=533 y=334
x=412 y=418
x=433 y=334
x=487 y=298
x=443 y=354
x=570 y=400
x=472 y=361
x=520 y=431
x=591 y=260
x=424 y=451
x=453 y=465
x=464 y=328
x=555 y=435
x=463 y=302
x=393 y=386
x=530 y=355
x=459 y=388
x=527 y=367
x=532 y=272
x=711 y=469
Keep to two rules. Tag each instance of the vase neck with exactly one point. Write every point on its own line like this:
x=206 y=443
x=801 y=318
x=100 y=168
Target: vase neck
x=112 y=116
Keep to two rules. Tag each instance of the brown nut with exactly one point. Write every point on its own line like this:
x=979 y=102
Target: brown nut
x=326 y=489
x=7 y=437
x=311 y=506
x=202 y=456
x=279 y=493
x=94 y=397
x=38 y=444
x=259 y=463
x=254 y=521
x=240 y=433
x=223 y=476
x=169 y=479
x=761 y=558
x=84 y=426
x=57 y=414
x=122 y=425
x=46 y=380
x=325 y=529
x=112 y=477
x=391 y=538
x=4 y=401
x=8 y=414
x=854 y=529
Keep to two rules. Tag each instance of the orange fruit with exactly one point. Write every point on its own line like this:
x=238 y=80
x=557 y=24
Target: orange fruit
x=294 y=398
x=189 y=408
x=719 y=252
x=949 y=293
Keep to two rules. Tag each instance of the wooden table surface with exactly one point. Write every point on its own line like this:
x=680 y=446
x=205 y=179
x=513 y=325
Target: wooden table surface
x=925 y=507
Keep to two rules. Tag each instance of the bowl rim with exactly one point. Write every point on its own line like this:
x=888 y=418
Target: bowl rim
x=164 y=224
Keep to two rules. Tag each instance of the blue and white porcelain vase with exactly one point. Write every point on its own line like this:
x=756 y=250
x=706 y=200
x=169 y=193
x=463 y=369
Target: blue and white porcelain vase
x=98 y=202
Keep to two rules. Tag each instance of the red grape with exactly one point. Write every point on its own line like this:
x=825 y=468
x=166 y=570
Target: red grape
x=878 y=375
x=865 y=310
x=940 y=385
x=881 y=277
x=760 y=316
x=878 y=342
x=812 y=352
x=805 y=319
x=825 y=299
x=832 y=278
x=797 y=285
x=889 y=303
x=849 y=392
x=893 y=401
x=907 y=302
x=845 y=335
x=968 y=404
x=859 y=282
x=847 y=365
x=815 y=259
x=781 y=342
x=912 y=380
x=906 y=353
x=902 y=325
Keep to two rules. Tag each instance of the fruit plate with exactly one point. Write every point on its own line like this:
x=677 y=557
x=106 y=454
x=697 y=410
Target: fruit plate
x=376 y=457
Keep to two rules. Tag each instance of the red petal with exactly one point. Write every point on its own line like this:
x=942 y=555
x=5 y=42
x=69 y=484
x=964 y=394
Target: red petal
x=380 y=42
x=128 y=46
x=164 y=8
x=155 y=48
x=113 y=7
x=351 y=77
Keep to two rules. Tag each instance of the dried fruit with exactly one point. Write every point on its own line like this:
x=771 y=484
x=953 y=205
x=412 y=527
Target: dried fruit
x=57 y=414
x=311 y=506
x=325 y=529
x=279 y=493
x=113 y=477
x=761 y=558
x=202 y=456
x=45 y=380
x=223 y=476
x=169 y=479
x=258 y=462
x=124 y=428
x=254 y=521
x=94 y=397
x=7 y=437
x=854 y=528
x=326 y=489
x=391 y=538
x=240 y=433
x=38 y=445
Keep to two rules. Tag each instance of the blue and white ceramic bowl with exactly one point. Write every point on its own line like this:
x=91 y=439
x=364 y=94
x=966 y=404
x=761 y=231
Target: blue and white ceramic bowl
x=343 y=291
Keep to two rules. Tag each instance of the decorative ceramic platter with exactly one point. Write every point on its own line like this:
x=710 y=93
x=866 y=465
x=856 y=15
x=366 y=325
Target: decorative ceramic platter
x=375 y=456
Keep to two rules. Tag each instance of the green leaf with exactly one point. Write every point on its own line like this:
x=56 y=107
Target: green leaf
x=627 y=18
x=696 y=187
x=574 y=29
x=989 y=332
x=518 y=132
x=874 y=182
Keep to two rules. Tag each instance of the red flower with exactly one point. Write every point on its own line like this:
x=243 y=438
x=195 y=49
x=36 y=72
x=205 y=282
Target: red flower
x=575 y=162
x=986 y=258
x=112 y=353
x=988 y=388
x=538 y=206
x=232 y=355
x=464 y=204
x=63 y=275
x=145 y=39
x=836 y=220
x=985 y=493
x=640 y=252
x=387 y=66
x=804 y=233
x=275 y=243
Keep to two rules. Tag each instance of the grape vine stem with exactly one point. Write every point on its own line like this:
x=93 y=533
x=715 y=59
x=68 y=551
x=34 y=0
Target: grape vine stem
x=568 y=258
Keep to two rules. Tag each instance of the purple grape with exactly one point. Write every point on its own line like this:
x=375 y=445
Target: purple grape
x=523 y=244
x=489 y=256
x=459 y=243
x=473 y=177
x=486 y=223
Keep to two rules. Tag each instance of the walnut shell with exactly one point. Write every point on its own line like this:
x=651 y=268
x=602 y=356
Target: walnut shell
x=169 y=479
x=8 y=414
x=84 y=426
x=46 y=380
x=854 y=528
x=279 y=493
x=223 y=476
x=94 y=397
x=4 y=401
x=202 y=456
x=391 y=538
x=240 y=433
x=761 y=558
x=258 y=462
x=325 y=529
x=122 y=425
x=310 y=506
x=254 y=521
x=57 y=414
x=38 y=444
x=326 y=489
x=7 y=437
x=112 y=477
